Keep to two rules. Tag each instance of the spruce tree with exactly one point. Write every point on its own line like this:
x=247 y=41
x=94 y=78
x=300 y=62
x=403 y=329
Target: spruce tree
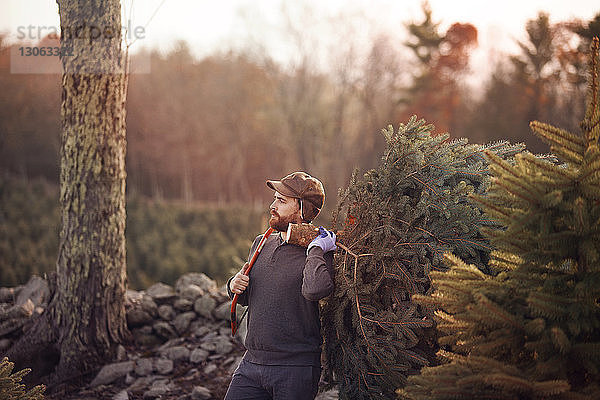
x=533 y=330
x=11 y=387
x=399 y=219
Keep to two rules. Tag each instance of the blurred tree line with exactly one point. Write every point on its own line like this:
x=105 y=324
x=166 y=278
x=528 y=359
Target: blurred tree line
x=210 y=131
x=165 y=239
x=213 y=129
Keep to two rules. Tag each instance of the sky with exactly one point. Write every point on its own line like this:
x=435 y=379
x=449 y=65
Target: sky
x=212 y=26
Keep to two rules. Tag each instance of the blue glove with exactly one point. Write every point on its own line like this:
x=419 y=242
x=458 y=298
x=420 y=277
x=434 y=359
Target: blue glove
x=325 y=240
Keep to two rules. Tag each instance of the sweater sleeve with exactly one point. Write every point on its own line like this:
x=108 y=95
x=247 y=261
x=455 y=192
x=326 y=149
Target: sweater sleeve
x=317 y=281
x=243 y=298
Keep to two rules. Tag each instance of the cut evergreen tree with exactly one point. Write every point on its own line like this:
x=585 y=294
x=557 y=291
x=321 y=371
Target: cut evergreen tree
x=533 y=330
x=399 y=219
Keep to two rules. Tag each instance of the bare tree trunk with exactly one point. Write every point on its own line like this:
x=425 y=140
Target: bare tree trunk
x=86 y=315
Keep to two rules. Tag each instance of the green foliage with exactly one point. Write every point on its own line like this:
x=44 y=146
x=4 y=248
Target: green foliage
x=399 y=220
x=533 y=330
x=164 y=239
x=29 y=229
x=11 y=387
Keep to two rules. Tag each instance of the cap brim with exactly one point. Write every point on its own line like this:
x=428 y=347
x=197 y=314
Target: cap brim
x=278 y=186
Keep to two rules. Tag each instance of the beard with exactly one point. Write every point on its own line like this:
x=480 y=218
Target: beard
x=280 y=223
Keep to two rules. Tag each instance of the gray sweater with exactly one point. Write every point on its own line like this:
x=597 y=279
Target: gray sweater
x=283 y=303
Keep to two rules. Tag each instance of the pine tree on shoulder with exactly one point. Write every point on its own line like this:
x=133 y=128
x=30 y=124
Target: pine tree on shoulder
x=399 y=219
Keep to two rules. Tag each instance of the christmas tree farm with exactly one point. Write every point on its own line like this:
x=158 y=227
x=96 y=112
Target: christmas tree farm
x=533 y=330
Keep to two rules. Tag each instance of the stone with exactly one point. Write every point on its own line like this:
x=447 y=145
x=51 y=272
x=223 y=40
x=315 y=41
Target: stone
x=200 y=330
x=149 y=305
x=183 y=304
x=223 y=346
x=111 y=372
x=36 y=290
x=137 y=317
x=201 y=393
x=171 y=343
x=191 y=292
x=195 y=278
x=121 y=353
x=226 y=331
x=161 y=292
x=122 y=395
x=133 y=297
x=14 y=317
x=210 y=336
x=209 y=369
x=144 y=366
x=163 y=366
x=178 y=353
x=208 y=346
x=166 y=312
x=182 y=321
x=164 y=330
x=8 y=295
x=162 y=384
x=221 y=294
x=142 y=383
x=144 y=337
x=146 y=329
x=154 y=393
x=198 y=356
x=205 y=306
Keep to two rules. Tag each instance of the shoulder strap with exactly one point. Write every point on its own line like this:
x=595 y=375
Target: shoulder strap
x=234 y=324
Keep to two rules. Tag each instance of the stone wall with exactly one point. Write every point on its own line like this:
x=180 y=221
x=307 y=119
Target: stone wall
x=182 y=347
x=179 y=332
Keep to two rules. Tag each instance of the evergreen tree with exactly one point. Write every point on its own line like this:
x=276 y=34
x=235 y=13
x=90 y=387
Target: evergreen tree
x=533 y=330
x=11 y=387
x=442 y=60
x=588 y=30
x=425 y=40
x=399 y=220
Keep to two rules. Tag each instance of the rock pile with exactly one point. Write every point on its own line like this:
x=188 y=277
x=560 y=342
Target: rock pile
x=187 y=329
x=182 y=346
x=17 y=306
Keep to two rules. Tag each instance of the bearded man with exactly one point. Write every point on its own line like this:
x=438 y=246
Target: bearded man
x=282 y=292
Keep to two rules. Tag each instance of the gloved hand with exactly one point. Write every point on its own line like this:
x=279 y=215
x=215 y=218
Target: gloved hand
x=325 y=240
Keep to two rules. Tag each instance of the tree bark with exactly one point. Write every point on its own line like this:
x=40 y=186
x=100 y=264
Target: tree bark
x=303 y=234
x=86 y=315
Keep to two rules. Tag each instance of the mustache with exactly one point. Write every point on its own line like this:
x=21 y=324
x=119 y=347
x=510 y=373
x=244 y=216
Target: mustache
x=274 y=213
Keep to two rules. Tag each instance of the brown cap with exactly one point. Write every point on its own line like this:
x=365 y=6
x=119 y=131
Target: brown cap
x=301 y=185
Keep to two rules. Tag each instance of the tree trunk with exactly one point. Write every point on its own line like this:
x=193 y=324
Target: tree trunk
x=85 y=319
x=303 y=234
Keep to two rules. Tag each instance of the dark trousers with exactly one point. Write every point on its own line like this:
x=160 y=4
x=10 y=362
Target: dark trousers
x=273 y=382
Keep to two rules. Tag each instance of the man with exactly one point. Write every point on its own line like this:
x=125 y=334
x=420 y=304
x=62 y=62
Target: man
x=283 y=343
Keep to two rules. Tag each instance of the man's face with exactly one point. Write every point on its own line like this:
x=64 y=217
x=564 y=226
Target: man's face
x=284 y=210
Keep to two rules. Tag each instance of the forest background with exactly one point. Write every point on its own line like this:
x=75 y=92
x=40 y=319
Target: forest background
x=204 y=133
